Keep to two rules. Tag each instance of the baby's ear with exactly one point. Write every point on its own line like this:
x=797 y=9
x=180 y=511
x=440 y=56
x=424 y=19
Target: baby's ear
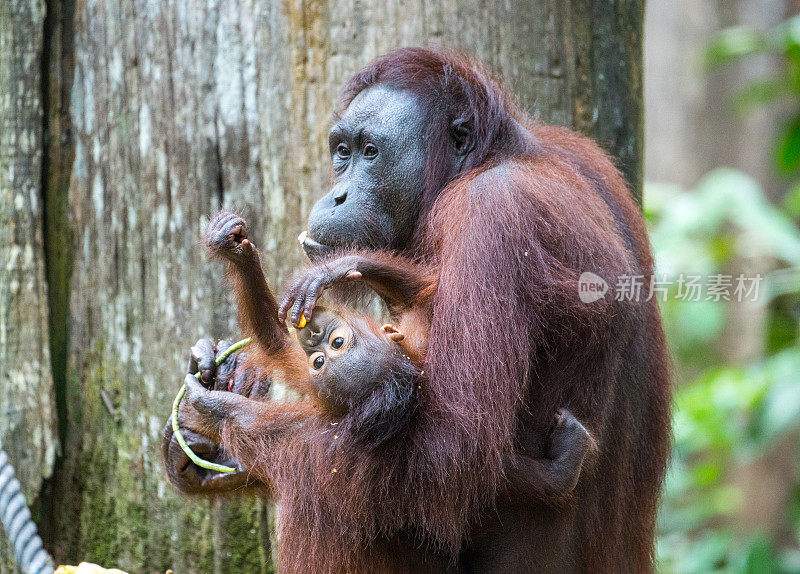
x=393 y=333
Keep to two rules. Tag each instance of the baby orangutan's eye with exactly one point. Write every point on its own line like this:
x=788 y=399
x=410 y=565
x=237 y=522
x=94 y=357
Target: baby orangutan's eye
x=339 y=337
x=317 y=361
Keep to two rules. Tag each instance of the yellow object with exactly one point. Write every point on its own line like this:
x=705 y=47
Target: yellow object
x=302 y=322
x=87 y=568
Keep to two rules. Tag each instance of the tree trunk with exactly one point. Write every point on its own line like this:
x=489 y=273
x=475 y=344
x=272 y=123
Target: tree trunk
x=27 y=416
x=178 y=109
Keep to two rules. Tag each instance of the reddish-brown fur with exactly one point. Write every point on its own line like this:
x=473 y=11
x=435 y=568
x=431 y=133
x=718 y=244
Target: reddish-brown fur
x=508 y=237
x=303 y=442
x=537 y=206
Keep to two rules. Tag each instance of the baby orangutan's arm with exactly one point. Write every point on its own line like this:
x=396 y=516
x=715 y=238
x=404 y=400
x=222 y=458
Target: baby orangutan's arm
x=256 y=433
x=226 y=237
x=216 y=410
x=550 y=480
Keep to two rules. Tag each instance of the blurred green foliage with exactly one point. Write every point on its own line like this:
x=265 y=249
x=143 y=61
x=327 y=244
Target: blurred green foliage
x=735 y=43
x=725 y=415
x=733 y=408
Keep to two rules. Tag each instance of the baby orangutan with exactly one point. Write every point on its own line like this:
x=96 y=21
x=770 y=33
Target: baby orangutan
x=363 y=391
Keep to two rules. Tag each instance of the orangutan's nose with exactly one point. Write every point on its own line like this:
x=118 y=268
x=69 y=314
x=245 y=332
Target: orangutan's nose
x=311 y=334
x=339 y=196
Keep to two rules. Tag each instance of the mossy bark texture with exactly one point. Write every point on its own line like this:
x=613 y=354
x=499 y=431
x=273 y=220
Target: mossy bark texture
x=123 y=124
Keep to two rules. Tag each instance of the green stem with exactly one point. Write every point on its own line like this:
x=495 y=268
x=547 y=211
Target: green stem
x=177 y=403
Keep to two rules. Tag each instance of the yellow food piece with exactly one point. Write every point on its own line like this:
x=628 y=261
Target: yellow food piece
x=86 y=568
x=302 y=322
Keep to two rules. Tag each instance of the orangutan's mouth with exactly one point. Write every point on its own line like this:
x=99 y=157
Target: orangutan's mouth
x=313 y=248
x=211 y=477
x=194 y=476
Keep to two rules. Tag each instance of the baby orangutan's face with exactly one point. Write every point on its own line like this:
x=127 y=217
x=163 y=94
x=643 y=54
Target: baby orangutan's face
x=347 y=356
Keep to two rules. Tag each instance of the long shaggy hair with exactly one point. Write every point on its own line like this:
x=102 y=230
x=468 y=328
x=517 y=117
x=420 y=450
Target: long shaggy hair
x=510 y=232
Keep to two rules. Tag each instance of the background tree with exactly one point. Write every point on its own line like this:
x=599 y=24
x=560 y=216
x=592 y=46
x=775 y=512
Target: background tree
x=124 y=124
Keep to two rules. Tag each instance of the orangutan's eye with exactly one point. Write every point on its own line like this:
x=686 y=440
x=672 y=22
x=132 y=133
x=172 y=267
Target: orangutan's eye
x=317 y=361
x=339 y=337
x=343 y=151
x=370 y=151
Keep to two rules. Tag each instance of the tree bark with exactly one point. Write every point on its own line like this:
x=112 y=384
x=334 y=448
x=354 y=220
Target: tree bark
x=176 y=110
x=27 y=417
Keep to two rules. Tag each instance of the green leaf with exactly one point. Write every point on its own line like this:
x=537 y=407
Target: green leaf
x=761 y=92
x=733 y=43
x=761 y=558
x=787 y=152
x=785 y=36
x=791 y=201
x=781 y=412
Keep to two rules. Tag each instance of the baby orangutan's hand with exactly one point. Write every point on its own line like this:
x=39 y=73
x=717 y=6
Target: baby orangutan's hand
x=226 y=236
x=215 y=408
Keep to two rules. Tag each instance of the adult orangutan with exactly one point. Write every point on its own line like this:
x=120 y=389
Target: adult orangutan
x=432 y=159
